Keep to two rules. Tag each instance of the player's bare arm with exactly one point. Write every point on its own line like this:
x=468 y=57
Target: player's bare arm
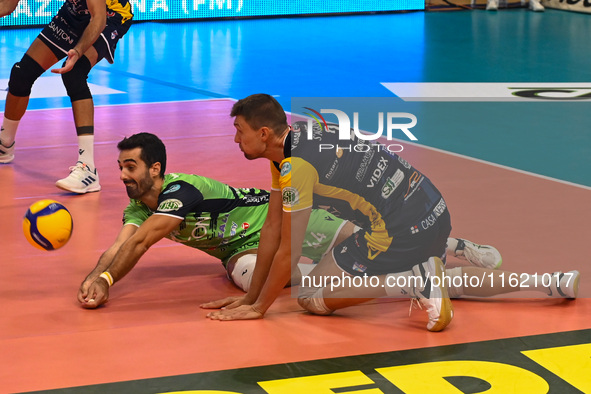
x=98 y=21
x=150 y=232
x=293 y=228
x=105 y=260
x=268 y=245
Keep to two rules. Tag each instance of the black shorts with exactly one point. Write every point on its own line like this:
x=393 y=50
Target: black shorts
x=407 y=249
x=66 y=28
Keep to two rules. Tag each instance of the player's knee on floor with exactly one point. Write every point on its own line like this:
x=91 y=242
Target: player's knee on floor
x=243 y=270
x=75 y=80
x=23 y=75
x=312 y=300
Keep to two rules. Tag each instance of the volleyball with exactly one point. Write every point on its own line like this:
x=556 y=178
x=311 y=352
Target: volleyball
x=47 y=225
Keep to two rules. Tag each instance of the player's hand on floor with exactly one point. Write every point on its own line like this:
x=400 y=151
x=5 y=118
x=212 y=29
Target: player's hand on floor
x=243 y=312
x=97 y=294
x=226 y=303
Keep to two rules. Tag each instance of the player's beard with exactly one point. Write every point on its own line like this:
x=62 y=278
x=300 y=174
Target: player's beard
x=136 y=190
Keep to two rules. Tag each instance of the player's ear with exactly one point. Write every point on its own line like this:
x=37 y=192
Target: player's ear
x=265 y=133
x=155 y=169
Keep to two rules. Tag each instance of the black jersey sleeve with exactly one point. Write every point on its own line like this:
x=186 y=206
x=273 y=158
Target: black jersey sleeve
x=178 y=199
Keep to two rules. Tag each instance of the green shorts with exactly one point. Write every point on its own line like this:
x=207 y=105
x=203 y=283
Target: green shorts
x=321 y=234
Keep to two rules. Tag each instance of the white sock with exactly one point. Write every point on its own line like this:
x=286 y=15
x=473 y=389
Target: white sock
x=86 y=150
x=8 y=131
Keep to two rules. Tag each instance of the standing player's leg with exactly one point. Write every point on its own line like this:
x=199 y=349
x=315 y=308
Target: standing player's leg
x=83 y=177
x=38 y=58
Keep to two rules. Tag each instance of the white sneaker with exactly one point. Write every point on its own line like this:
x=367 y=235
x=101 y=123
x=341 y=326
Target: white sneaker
x=565 y=285
x=492 y=5
x=484 y=256
x=433 y=294
x=81 y=180
x=535 y=5
x=6 y=153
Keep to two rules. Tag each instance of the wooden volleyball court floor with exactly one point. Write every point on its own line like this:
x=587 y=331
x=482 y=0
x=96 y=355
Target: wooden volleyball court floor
x=152 y=337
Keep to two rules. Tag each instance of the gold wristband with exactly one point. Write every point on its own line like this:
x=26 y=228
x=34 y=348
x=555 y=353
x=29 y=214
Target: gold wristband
x=108 y=277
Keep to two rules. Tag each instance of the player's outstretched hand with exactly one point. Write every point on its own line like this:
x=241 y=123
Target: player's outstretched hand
x=243 y=312
x=73 y=56
x=226 y=303
x=93 y=295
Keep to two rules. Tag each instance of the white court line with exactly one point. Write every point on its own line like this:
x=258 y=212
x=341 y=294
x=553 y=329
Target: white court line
x=127 y=104
x=524 y=172
x=490 y=163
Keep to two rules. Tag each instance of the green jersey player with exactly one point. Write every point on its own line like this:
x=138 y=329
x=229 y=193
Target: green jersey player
x=200 y=212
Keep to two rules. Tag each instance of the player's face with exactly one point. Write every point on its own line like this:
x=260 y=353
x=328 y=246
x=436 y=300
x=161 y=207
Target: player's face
x=134 y=173
x=248 y=139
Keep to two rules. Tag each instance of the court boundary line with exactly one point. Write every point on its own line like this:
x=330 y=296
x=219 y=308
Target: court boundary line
x=481 y=161
x=127 y=104
x=454 y=154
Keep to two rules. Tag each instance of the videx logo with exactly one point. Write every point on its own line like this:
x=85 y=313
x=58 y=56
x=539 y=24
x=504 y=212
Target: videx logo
x=391 y=124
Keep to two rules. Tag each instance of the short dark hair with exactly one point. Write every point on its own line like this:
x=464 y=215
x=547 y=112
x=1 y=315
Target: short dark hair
x=153 y=149
x=261 y=110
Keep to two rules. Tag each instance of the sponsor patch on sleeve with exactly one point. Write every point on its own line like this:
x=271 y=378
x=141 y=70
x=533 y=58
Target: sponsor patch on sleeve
x=172 y=204
x=291 y=196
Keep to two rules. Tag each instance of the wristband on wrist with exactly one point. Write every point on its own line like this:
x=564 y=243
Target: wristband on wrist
x=78 y=52
x=108 y=277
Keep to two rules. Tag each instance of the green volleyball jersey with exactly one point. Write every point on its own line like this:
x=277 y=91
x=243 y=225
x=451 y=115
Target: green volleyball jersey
x=217 y=219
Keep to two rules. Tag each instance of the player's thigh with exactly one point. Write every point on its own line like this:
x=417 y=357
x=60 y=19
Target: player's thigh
x=42 y=54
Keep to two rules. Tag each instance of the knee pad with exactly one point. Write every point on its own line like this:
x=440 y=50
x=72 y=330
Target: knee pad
x=243 y=270
x=75 y=80
x=23 y=75
x=312 y=300
x=455 y=286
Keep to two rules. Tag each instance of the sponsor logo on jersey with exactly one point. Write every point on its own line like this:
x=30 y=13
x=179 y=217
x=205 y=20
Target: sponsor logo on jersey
x=285 y=168
x=378 y=172
x=431 y=219
x=295 y=138
x=169 y=205
x=332 y=170
x=359 y=267
x=245 y=226
x=291 y=196
x=364 y=165
x=172 y=189
x=392 y=183
x=413 y=184
x=439 y=208
x=233 y=229
x=404 y=163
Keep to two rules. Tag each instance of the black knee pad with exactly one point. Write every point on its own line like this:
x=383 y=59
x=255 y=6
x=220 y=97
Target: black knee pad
x=75 y=80
x=23 y=75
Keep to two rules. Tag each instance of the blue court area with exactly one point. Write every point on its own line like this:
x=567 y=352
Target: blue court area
x=351 y=56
